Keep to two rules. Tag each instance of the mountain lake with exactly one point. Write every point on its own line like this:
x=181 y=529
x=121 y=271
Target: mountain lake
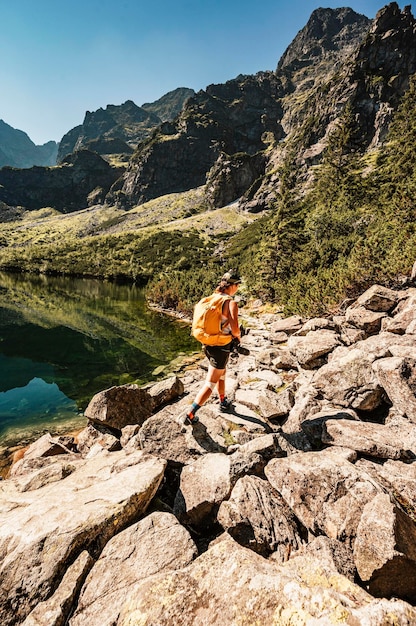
x=64 y=339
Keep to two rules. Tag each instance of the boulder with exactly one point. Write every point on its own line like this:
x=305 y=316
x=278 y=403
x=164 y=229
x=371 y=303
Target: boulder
x=257 y=517
x=250 y=396
x=276 y=405
x=367 y=438
x=316 y=323
x=43 y=531
x=403 y=316
x=165 y=391
x=208 y=481
x=204 y=484
x=309 y=349
x=397 y=376
x=49 y=446
x=378 y=298
x=117 y=407
x=385 y=550
x=97 y=434
x=36 y=473
x=397 y=478
x=305 y=405
x=55 y=610
x=267 y=446
x=155 y=544
x=333 y=552
x=278 y=336
x=229 y=584
x=164 y=436
x=288 y=325
x=326 y=493
x=314 y=426
x=369 y=321
x=349 y=381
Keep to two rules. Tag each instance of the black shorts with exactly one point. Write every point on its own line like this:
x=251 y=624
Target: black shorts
x=218 y=355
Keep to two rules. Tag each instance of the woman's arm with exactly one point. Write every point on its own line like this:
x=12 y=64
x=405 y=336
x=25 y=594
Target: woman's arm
x=232 y=315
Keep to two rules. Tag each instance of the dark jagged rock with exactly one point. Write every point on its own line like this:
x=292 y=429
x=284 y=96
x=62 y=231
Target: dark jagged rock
x=65 y=188
x=327 y=30
x=230 y=118
x=231 y=176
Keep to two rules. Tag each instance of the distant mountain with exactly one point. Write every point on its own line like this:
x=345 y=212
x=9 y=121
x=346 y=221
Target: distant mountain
x=18 y=150
x=120 y=128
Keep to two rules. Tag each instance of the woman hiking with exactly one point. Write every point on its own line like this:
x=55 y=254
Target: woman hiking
x=218 y=350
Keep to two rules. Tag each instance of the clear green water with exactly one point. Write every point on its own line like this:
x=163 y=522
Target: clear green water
x=64 y=339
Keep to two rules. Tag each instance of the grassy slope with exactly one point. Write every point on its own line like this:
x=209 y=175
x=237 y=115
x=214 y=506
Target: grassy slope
x=110 y=242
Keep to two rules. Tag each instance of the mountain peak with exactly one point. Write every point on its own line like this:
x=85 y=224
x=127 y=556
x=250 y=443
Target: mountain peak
x=327 y=30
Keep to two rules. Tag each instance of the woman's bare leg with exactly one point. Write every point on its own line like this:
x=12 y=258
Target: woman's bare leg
x=212 y=380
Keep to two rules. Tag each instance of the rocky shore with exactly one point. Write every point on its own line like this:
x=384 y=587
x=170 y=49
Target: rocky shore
x=297 y=507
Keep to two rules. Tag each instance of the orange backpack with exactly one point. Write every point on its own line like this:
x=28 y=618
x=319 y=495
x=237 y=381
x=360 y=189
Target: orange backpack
x=206 y=324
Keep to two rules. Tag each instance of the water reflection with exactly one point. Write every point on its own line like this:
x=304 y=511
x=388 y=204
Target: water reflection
x=62 y=340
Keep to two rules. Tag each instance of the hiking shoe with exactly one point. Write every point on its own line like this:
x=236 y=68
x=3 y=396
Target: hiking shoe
x=225 y=406
x=189 y=419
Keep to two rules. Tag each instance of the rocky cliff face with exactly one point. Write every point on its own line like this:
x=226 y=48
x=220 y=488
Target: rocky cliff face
x=66 y=188
x=18 y=150
x=241 y=115
x=328 y=31
x=367 y=70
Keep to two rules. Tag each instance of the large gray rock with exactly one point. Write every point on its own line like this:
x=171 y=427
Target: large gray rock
x=397 y=478
x=165 y=391
x=257 y=517
x=231 y=585
x=365 y=319
x=378 y=298
x=43 y=531
x=326 y=492
x=385 y=550
x=305 y=405
x=349 y=381
x=95 y=434
x=309 y=349
x=155 y=544
x=287 y=325
x=49 y=446
x=273 y=404
x=118 y=406
x=55 y=610
x=374 y=440
x=208 y=481
x=333 y=552
x=403 y=316
x=314 y=426
x=398 y=378
x=316 y=323
x=164 y=436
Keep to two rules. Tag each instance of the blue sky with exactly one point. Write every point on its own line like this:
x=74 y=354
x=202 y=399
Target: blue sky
x=62 y=58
